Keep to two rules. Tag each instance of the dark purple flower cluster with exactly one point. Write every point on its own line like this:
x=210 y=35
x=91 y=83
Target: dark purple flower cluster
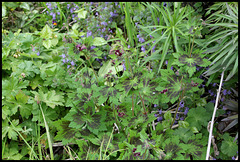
x=135 y=154
x=164 y=91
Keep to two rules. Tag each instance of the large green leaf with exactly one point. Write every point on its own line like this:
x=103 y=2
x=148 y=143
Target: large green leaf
x=12 y=86
x=99 y=41
x=46 y=32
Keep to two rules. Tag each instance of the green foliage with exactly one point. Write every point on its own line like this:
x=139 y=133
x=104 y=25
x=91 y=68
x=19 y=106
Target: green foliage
x=78 y=79
x=229 y=147
x=224 y=52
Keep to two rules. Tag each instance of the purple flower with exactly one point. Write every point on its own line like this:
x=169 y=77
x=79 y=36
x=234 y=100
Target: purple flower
x=224 y=108
x=181 y=104
x=124 y=67
x=63 y=60
x=141 y=40
x=103 y=30
x=160 y=111
x=58 y=13
x=182 y=118
x=96 y=13
x=155 y=115
x=224 y=92
x=159 y=119
x=233 y=158
x=136 y=154
x=186 y=111
x=164 y=4
x=63 y=56
x=111 y=13
x=143 y=49
x=222 y=99
x=89 y=33
x=155 y=105
x=171 y=67
x=214 y=84
x=92 y=47
x=104 y=23
x=33 y=49
x=134 y=149
x=38 y=53
x=197 y=68
x=177 y=117
x=175 y=122
x=54 y=16
x=213 y=101
x=72 y=63
x=229 y=92
x=153 y=48
x=166 y=62
x=68 y=6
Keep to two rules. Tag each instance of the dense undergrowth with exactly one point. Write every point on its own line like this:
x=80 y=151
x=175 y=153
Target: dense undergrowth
x=117 y=80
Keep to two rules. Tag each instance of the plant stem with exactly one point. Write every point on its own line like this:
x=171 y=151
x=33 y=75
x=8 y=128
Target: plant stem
x=145 y=112
x=191 y=47
x=132 y=106
x=114 y=113
x=91 y=67
x=180 y=98
x=48 y=134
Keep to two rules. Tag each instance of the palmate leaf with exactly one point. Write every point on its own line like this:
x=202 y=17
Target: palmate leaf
x=229 y=147
x=198 y=117
x=83 y=149
x=11 y=130
x=194 y=148
x=96 y=124
x=175 y=84
x=128 y=81
x=148 y=86
x=51 y=98
x=12 y=85
x=65 y=133
x=27 y=68
x=104 y=92
x=196 y=58
x=76 y=118
x=171 y=148
x=184 y=134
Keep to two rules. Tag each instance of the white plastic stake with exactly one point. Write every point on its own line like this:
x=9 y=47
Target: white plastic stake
x=213 y=116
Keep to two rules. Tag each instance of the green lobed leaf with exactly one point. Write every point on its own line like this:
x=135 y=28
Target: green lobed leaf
x=46 y=32
x=99 y=41
x=229 y=147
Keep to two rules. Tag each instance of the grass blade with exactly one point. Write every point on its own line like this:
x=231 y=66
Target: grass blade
x=48 y=134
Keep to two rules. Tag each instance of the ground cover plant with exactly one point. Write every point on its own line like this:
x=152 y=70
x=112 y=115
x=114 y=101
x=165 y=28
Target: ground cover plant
x=119 y=80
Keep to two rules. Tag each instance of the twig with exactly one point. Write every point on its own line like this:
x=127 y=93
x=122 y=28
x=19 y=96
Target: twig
x=153 y=125
x=213 y=116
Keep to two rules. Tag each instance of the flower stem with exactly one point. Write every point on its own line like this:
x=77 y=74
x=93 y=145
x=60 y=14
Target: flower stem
x=145 y=112
x=132 y=106
x=180 y=98
x=191 y=47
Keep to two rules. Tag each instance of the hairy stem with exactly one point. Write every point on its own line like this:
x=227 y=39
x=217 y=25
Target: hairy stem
x=145 y=112
x=132 y=106
x=180 y=98
x=191 y=47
